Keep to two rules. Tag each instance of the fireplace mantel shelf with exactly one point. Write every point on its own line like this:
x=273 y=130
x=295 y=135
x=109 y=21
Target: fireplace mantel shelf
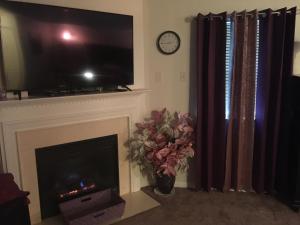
x=45 y=100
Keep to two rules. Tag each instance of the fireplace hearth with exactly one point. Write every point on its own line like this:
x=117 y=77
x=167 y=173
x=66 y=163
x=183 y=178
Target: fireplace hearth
x=76 y=169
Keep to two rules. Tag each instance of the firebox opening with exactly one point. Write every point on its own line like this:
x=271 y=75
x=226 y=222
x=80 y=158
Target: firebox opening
x=75 y=169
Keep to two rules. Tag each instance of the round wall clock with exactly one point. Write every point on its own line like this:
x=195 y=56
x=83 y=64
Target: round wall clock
x=168 y=42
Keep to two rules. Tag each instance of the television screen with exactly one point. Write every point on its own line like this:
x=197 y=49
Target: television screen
x=49 y=48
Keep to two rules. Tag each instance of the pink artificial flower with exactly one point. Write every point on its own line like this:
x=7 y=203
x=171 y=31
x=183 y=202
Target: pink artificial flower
x=158 y=116
x=150 y=155
x=180 y=127
x=162 y=153
x=160 y=138
x=140 y=126
x=168 y=170
x=188 y=129
x=180 y=141
x=165 y=151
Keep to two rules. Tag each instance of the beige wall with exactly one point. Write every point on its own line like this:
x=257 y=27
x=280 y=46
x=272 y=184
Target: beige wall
x=169 y=75
x=128 y=7
x=12 y=50
x=1 y=166
x=297 y=57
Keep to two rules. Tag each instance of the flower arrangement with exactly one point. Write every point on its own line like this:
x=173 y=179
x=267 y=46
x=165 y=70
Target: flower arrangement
x=163 y=143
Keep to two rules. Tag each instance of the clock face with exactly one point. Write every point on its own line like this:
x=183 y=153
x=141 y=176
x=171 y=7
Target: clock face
x=168 y=42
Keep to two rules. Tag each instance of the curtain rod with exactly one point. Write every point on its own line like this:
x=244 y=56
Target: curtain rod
x=262 y=14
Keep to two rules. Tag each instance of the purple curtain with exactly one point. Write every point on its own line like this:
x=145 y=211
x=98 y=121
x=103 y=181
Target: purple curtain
x=210 y=155
x=2 y=77
x=275 y=67
x=240 y=132
x=241 y=154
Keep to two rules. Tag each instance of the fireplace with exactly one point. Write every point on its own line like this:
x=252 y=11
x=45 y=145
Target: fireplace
x=38 y=123
x=72 y=170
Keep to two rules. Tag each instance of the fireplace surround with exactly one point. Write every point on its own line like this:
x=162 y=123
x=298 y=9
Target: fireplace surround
x=31 y=124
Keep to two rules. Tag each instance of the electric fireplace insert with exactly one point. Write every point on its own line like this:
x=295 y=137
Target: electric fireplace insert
x=72 y=170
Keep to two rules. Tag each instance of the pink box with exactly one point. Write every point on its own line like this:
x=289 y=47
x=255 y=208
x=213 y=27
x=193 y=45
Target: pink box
x=93 y=209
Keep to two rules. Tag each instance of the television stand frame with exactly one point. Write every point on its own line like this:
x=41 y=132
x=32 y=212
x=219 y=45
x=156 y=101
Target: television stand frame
x=126 y=87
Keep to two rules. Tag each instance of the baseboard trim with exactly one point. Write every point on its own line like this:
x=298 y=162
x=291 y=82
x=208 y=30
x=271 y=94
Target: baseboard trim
x=181 y=184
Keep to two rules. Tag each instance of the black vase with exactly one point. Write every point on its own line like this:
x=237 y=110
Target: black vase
x=165 y=183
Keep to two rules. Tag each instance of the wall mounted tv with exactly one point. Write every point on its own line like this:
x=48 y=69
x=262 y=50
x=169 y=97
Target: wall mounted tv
x=49 y=48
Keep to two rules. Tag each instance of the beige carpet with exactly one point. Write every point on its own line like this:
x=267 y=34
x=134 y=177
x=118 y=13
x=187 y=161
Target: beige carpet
x=197 y=208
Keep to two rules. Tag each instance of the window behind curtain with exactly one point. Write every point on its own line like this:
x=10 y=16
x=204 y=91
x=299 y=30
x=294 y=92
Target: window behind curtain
x=228 y=67
x=229 y=64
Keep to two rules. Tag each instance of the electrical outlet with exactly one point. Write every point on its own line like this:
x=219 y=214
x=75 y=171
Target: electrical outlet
x=182 y=76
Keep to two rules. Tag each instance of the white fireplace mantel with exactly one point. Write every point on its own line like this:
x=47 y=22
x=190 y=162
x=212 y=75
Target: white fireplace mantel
x=30 y=114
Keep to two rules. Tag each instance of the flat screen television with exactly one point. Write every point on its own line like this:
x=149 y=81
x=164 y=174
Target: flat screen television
x=48 y=48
